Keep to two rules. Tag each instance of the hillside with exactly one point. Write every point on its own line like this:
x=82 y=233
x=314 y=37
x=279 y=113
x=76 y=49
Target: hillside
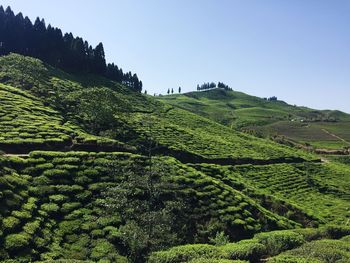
x=88 y=164
x=298 y=125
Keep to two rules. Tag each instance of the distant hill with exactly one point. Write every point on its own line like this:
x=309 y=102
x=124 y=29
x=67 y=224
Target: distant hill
x=300 y=125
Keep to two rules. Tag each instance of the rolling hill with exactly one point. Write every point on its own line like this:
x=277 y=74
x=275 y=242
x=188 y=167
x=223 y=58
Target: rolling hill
x=70 y=141
x=297 y=125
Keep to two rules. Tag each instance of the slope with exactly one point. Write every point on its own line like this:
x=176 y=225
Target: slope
x=108 y=109
x=54 y=202
x=267 y=118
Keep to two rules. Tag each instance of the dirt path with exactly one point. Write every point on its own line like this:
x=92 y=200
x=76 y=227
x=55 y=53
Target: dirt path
x=335 y=136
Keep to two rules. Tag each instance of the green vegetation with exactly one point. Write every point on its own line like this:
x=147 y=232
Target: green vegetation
x=268 y=118
x=299 y=248
x=108 y=109
x=26 y=124
x=152 y=176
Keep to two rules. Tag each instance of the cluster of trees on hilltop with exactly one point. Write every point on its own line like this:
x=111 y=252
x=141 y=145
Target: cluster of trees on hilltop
x=222 y=85
x=273 y=98
x=212 y=85
x=206 y=86
x=19 y=35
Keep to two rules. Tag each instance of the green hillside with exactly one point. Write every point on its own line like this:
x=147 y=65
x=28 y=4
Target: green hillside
x=93 y=171
x=321 y=129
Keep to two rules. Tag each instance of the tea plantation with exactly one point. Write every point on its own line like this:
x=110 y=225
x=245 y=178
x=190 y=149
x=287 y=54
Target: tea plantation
x=91 y=171
x=268 y=118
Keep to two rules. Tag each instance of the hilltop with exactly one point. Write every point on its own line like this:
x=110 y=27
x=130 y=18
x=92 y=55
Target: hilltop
x=289 y=124
x=79 y=136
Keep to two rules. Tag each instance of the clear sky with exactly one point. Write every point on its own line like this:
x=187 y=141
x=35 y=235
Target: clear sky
x=297 y=50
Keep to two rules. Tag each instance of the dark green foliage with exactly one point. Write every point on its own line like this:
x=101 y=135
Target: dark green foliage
x=251 y=250
x=102 y=205
x=150 y=210
x=278 y=241
x=186 y=253
x=19 y=35
x=263 y=246
x=15 y=242
x=317 y=251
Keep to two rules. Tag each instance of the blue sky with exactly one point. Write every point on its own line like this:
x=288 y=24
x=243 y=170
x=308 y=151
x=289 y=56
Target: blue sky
x=297 y=50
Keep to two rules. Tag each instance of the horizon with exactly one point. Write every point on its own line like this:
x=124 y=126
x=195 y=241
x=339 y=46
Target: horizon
x=296 y=51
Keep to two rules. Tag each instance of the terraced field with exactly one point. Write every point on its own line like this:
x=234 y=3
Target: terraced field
x=51 y=202
x=106 y=109
x=304 y=245
x=221 y=185
x=27 y=124
x=267 y=118
x=320 y=190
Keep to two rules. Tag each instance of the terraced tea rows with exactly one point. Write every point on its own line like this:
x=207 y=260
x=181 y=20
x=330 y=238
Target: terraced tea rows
x=26 y=124
x=320 y=190
x=184 y=132
x=267 y=118
x=330 y=244
x=52 y=204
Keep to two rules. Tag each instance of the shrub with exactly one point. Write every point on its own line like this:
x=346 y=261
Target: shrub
x=10 y=222
x=56 y=173
x=31 y=227
x=310 y=234
x=319 y=251
x=278 y=241
x=186 y=253
x=41 y=180
x=68 y=207
x=211 y=260
x=247 y=249
x=17 y=241
x=50 y=208
x=346 y=238
x=220 y=239
x=69 y=189
x=69 y=227
x=22 y=214
x=103 y=250
x=337 y=232
x=292 y=259
x=58 y=198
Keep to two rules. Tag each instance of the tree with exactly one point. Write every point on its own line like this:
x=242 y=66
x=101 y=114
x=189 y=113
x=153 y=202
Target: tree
x=151 y=211
x=172 y=91
x=168 y=91
x=99 y=59
x=19 y=35
x=179 y=89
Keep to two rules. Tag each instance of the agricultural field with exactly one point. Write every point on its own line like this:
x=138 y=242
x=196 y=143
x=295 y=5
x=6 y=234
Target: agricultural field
x=27 y=124
x=106 y=109
x=320 y=129
x=87 y=165
x=330 y=244
x=53 y=201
